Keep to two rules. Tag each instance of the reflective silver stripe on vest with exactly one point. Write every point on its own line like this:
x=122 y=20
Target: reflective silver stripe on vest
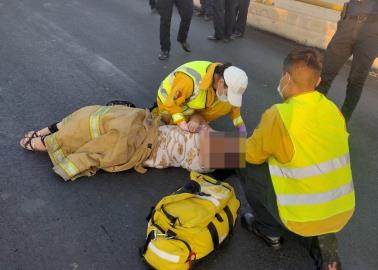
x=192 y=72
x=171 y=78
x=318 y=198
x=310 y=171
x=163 y=92
x=197 y=77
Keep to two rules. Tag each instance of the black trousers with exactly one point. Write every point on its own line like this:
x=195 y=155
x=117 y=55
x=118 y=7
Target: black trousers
x=152 y=4
x=165 y=8
x=206 y=7
x=260 y=194
x=357 y=37
x=242 y=14
x=224 y=15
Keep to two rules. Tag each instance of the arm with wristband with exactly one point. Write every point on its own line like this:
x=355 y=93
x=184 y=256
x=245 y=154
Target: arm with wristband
x=182 y=89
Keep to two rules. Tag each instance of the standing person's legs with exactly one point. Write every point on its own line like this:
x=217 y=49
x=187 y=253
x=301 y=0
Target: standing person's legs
x=185 y=9
x=208 y=9
x=152 y=4
x=365 y=51
x=242 y=17
x=218 y=19
x=338 y=51
x=229 y=17
x=165 y=8
x=201 y=11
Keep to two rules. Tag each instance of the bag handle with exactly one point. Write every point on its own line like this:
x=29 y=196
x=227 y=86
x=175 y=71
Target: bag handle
x=214 y=235
x=230 y=219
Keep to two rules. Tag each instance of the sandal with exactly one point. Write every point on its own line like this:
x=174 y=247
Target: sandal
x=34 y=134
x=27 y=143
x=31 y=134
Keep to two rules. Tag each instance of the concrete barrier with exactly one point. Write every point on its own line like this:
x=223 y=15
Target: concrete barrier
x=307 y=24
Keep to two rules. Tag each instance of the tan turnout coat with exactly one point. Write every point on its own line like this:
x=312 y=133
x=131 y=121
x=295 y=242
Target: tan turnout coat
x=111 y=138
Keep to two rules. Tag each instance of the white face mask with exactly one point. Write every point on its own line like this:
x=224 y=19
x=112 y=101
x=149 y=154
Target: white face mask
x=222 y=98
x=279 y=90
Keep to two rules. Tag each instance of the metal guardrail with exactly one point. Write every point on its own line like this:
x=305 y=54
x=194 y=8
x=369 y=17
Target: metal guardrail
x=324 y=4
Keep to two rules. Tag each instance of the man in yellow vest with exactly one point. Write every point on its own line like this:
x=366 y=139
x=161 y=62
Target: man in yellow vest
x=298 y=174
x=202 y=88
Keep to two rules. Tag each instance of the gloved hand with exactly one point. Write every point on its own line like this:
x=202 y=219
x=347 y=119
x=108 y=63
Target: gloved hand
x=183 y=125
x=243 y=130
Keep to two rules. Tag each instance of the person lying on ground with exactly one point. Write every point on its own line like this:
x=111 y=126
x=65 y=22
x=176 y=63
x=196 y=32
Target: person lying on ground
x=115 y=138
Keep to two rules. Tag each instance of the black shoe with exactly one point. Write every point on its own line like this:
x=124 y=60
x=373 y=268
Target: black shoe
x=222 y=174
x=199 y=13
x=328 y=251
x=164 y=55
x=185 y=46
x=248 y=222
x=121 y=102
x=237 y=35
x=214 y=38
x=207 y=18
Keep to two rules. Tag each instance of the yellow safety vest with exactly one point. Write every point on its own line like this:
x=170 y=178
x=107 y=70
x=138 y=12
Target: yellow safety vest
x=195 y=70
x=315 y=193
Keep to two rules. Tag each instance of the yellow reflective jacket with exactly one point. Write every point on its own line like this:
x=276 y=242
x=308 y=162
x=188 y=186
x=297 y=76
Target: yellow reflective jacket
x=189 y=89
x=309 y=163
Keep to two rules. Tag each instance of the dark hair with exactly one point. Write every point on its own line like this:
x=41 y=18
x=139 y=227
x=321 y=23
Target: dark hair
x=303 y=57
x=221 y=68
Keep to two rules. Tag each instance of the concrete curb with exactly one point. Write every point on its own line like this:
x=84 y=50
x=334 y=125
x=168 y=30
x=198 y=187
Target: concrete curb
x=304 y=23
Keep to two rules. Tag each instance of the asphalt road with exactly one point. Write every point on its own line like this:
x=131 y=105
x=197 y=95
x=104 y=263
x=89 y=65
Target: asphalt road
x=57 y=56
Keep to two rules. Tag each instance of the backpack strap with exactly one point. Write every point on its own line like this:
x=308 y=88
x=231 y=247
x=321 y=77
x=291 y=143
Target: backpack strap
x=150 y=237
x=170 y=235
x=214 y=235
x=171 y=218
x=230 y=219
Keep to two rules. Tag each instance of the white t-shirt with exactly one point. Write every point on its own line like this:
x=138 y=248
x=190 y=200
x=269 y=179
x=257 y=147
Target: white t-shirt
x=176 y=148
